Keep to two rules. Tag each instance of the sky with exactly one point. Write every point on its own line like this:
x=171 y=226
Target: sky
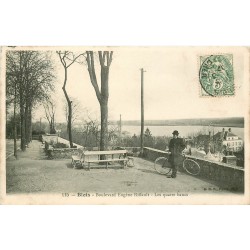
x=171 y=84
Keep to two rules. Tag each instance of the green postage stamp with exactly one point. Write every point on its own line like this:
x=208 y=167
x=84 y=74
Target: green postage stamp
x=216 y=75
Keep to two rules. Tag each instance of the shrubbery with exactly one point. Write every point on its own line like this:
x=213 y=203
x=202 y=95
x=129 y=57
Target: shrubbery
x=38 y=132
x=60 y=145
x=91 y=140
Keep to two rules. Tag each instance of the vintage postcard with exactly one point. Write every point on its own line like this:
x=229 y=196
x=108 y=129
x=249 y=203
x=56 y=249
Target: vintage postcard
x=125 y=125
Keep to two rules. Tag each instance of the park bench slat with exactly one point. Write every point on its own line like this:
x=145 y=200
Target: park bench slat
x=107 y=160
x=88 y=153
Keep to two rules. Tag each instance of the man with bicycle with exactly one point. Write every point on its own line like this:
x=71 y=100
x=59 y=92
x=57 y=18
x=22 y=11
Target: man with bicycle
x=176 y=146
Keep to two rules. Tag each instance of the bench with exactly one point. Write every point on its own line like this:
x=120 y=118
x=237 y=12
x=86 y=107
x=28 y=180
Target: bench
x=76 y=160
x=49 y=151
x=116 y=156
x=130 y=161
x=119 y=156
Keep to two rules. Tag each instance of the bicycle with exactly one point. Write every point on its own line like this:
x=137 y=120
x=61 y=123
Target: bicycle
x=163 y=166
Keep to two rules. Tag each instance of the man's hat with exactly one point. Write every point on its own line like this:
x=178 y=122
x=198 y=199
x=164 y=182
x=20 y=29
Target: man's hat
x=175 y=132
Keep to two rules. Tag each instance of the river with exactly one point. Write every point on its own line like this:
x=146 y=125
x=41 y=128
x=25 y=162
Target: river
x=184 y=131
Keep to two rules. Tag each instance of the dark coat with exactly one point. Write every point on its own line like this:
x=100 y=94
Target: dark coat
x=176 y=146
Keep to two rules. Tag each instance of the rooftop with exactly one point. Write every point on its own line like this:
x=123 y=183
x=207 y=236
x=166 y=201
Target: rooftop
x=226 y=134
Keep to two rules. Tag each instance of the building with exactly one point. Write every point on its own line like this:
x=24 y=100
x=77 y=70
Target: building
x=229 y=140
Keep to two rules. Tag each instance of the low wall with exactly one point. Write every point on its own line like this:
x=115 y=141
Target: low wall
x=59 y=153
x=152 y=153
x=225 y=175
x=62 y=153
x=50 y=138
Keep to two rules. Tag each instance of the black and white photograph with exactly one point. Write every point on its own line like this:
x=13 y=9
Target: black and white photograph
x=126 y=125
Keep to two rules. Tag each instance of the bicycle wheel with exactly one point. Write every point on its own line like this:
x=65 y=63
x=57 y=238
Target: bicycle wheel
x=191 y=166
x=162 y=166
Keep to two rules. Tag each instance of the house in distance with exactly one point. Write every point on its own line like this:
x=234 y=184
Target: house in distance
x=229 y=140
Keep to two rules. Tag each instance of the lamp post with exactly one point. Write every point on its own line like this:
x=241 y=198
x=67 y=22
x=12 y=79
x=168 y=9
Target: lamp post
x=142 y=110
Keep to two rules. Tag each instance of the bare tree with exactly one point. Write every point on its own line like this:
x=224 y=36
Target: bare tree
x=50 y=110
x=76 y=110
x=29 y=80
x=15 y=125
x=67 y=58
x=92 y=132
x=114 y=134
x=105 y=59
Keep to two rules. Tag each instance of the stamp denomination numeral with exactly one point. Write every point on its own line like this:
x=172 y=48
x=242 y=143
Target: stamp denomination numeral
x=216 y=75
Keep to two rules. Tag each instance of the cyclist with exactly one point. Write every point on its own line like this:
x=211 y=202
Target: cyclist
x=176 y=146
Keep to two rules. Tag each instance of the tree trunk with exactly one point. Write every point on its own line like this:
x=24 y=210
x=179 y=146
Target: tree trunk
x=23 y=139
x=70 y=123
x=66 y=64
x=28 y=124
x=104 y=126
x=104 y=108
x=69 y=106
x=51 y=125
x=15 y=127
x=105 y=59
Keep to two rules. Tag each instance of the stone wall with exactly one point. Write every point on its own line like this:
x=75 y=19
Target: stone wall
x=226 y=176
x=50 y=138
x=62 y=153
x=152 y=153
x=59 y=153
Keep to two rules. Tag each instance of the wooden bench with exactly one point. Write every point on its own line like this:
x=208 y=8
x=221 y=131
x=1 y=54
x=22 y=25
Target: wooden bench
x=109 y=156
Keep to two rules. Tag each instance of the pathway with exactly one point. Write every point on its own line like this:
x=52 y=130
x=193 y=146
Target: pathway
x=33 y=172
x=10 y=147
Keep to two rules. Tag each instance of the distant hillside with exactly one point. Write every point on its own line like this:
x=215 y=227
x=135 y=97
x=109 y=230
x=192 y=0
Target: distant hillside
x=218 y=122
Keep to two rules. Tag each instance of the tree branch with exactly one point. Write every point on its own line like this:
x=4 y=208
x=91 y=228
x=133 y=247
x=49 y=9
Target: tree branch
x=92 y=75
x=101 y=58
x=110 y=58
x=75 y=58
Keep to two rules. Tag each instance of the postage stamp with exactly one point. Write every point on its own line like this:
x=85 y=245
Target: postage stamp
x=216 y=75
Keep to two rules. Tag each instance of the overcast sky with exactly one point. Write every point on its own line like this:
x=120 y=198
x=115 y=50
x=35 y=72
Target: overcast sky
x=171 y=84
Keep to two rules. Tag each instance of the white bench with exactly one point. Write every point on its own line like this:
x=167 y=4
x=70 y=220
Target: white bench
x=108 y=157
x=88 y=157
